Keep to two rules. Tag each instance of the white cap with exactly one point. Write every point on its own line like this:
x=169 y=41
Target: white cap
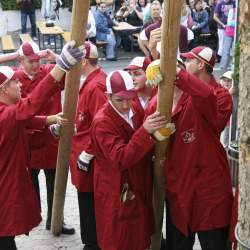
x=120 y=82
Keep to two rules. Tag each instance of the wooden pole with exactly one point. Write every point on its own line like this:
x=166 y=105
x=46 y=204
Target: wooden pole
x=78 y=31
x=169 y=45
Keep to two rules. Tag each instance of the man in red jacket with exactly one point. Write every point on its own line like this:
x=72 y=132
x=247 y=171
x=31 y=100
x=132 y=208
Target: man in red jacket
x=136 y=69
x=19 y=207
x=199 y=190
x=44 y=146
x=91 y=99
x=122 y=168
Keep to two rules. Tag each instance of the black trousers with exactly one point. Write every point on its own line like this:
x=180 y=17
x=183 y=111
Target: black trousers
x=87 y=219
x=7 y=243
x=216 y=239
x=50 y=181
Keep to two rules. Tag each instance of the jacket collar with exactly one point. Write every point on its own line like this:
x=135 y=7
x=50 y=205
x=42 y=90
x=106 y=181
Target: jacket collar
x=118 y=120
x=90 y=77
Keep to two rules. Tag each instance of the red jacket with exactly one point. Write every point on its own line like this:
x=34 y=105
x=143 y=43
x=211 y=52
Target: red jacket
x=19 y=207
x=122 y=155
x=43 y=144
x=199 y=188
x=138 y=107
x=91 y=99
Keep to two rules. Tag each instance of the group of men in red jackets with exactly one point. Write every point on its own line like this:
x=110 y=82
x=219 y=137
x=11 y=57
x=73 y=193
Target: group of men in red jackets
x=113 y=148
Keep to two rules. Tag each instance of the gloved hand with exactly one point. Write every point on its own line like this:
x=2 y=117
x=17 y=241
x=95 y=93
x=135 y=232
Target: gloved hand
x=83 y=161
x=165 y=132
x=70 y=55
x=153 y=73
x=55 y=130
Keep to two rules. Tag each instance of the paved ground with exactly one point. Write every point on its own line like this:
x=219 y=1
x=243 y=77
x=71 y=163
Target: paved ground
x=41 y=239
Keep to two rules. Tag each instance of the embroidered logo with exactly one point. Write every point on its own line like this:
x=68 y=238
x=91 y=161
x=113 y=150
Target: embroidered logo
x=81 y=117
x=188 y=136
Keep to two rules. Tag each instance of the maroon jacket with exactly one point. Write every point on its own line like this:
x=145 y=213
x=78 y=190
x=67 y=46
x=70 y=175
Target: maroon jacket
x=122 y=155
x=183 y=37
x=91 y=99
x=43 y=144
x=19 y=206
x=199 y=188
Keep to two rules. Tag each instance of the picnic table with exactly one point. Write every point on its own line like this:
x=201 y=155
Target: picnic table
x=49 y=33
x=124 y=26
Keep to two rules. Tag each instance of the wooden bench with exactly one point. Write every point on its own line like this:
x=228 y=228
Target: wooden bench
x=100 y=45
x=7 y=44
x=25 y=38
x=66 y=36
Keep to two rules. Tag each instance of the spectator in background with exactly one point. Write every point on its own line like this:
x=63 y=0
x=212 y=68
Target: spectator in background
x=155 y=22
x=213 y=40
x=154 y=14
x=227 y=82
x=104 y=30
x=220 y=16
x=228 y=39
x=91 y=28
x=200 y=19
x=186 y=15
x=27 y=8
x=50 y=9
x=110 y=4
x=132 y=14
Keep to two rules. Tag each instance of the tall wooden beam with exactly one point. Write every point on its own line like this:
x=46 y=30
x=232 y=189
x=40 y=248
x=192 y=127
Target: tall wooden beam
x=169 y=45
x=78 y=31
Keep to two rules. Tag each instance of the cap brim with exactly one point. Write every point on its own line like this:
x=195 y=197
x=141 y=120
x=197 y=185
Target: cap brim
x=34 y=57
x=132 y=67
x=187 y=55
x=128 y=94
x=15 y=76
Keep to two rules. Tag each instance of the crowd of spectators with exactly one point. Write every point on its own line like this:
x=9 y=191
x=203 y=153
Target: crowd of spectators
x=203 y=22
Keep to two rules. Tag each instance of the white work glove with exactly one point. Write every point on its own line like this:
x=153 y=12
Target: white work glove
x=70 y=55
x=153 y=73
x=55 y=130
x=165 y=132
x=83 y=161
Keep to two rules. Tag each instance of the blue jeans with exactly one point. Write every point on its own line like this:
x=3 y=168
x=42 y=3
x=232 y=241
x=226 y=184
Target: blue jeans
x=32 y=17
x=110 y=47
x=227 y=45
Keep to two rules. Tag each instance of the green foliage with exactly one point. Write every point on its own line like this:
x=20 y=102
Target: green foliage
x=12 y=4
x=236 y=72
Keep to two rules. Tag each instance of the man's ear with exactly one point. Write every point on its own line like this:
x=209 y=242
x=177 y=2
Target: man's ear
x=201 y=65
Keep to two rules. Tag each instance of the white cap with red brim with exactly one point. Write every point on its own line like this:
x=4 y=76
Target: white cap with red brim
x=30 y=50
x=120 y=82
x=139 y=62
x=7 y=74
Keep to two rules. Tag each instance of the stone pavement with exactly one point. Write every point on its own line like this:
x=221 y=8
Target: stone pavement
x=41 y=239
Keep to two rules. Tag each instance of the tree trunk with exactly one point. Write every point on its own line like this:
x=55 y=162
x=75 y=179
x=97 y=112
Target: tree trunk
x=78 y=32
x=244 y=121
